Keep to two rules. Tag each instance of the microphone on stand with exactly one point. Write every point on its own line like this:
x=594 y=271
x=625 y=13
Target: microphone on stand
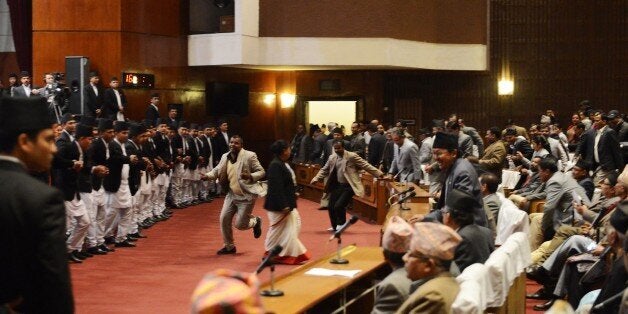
x=339 y=259
x=268 y=260
x=344 y=227
x=410 y=189
x=399 y=173
x=405 y=198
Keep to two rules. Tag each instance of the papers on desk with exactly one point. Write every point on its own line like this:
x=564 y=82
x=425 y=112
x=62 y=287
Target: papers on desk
x=510 y=178
x=325 y=272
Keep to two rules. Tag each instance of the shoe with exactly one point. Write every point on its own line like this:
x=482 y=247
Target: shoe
x=330 y=229
x=131 y=239
x=73 y=258
x=225 y=251
x=106 y=248
x=545 y=306
x=137 y=235
x=541 y=294
x=125 y=244
x=257 y=229
x=96 y=251
x=85 y=254
x=537 y=273
x=110 y=240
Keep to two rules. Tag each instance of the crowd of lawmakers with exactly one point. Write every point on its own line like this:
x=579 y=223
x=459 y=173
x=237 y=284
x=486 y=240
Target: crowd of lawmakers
x=118 y=177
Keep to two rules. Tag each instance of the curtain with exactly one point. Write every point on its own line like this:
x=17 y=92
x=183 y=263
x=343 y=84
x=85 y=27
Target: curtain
x=22 y=26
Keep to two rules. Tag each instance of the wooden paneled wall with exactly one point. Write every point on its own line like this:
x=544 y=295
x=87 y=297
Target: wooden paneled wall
x=558 y=52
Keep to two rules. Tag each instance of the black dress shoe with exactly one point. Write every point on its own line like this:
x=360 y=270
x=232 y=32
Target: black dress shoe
x=96 y=251
x=541 y=294
x=85 y=254
x=545 y=306
x=106 y=248
x=538 y=274
x=125 y=244
x=73 y=258
x=257 y=229
x=225 y=251
x=110 y=240
x=137 y=235
x=131 y=239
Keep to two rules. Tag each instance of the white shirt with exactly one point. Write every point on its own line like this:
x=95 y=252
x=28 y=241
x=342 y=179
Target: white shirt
x=598 y=134
x=94 y=88
x=27 y=90
x=226 y=137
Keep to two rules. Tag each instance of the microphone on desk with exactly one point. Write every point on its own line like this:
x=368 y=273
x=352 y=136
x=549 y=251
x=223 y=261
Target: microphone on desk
x=410 y=189
x=399 y=173
x=405 y=198
x=344 y=227
x=269 y=258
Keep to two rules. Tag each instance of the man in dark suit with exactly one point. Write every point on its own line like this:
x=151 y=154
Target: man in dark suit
x=152 y=111
x=477 y=241
x=117 y=187
x=165 y=154
x=173 y=118
x=114 y=101
x=98 y=153
x=376 y=146
x=517 y=144
x=207 y=163
x=94 y=94
x=459 y=174
x=140 y=182
x=34 y=275
x=24 y=90
x=221 y=141
x=71 y=160
x=600 y=147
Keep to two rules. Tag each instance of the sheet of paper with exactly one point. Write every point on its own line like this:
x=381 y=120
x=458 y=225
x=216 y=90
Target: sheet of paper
x=325 y=272
x=577 y=200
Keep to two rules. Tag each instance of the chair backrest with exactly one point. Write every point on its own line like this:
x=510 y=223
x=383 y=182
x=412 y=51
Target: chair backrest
x=505 y=264
x=510 y=220
x=475 y=290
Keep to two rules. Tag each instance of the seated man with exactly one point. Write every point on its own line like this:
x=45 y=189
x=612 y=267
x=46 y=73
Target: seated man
x=477 y=241
x=391 y=292
x=533 y=189
x=580 y=172
x=558 y=209
x=559 y=276
x=612 y=193
x=492 y=203
x=433 y=288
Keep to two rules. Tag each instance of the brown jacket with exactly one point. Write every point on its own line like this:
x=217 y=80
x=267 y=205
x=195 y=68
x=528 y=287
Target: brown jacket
x=493 y=159
x=435 y=296
x=353 y=164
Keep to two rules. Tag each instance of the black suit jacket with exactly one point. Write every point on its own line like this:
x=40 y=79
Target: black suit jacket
x=34 y=262
x=152 y=114
x=115 y=162
x=475 y=247
x=609 y=151
x=65 y=177
x=522 y=146
x=193 y=152
x=163 y=147
x=376 y=149
x=135 y=169
x=220 y=146
x=93 y=102
x=281 y=189
x=97 y=154
x=110 y=103
x=207 y=150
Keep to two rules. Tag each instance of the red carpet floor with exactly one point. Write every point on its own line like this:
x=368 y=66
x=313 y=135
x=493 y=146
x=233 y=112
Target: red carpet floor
x=159 y=275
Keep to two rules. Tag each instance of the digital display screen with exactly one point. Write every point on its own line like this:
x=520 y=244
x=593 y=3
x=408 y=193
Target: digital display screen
x=138 y=80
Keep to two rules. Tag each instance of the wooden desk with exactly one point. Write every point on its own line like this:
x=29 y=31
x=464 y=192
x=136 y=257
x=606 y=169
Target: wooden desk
x=422 y=196
x=314 y=294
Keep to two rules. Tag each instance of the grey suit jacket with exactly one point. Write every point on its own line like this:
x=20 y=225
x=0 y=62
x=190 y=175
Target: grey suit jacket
x=465 y=144
x=476 y=246
x=558 y=208
x=475 y=136
x=19 y=91
x=406 y=163
x=391 y=292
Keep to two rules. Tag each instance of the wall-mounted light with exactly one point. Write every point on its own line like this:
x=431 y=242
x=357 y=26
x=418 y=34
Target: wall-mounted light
x=269 y=99
x=505 y=87
x=288 y=100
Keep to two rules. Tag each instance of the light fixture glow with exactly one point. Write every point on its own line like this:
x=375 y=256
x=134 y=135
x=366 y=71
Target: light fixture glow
x=288 y=100
x=269 y=99
x=505 y=87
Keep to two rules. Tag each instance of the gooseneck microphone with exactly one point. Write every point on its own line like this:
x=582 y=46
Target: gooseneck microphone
x=269 y=258
x=344 y=227
x=405 y=198
x=410 y=189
